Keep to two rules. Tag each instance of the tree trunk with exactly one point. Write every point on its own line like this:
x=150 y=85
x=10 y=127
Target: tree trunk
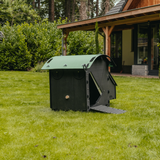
x=33 y=3
x=83 y=10
x=69 y=10
x=39 y=4
x=51 y=10
x=89 y=8
x=97 y=7
x=73 y=10
x=107 y=6
x=92 y=14
x=66 y=8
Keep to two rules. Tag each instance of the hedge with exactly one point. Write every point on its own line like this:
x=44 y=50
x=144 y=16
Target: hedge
x=27 y=44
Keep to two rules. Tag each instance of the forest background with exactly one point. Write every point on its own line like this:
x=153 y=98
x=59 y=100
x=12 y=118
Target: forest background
x=30 y=35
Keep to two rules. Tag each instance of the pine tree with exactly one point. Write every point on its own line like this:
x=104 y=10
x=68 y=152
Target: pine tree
x=51 y=10
x=73 y=10
x=97 y=8
x=83 y=9
x=17 y=12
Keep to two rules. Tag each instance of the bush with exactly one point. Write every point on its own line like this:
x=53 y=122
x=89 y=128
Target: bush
x=43 y=40
x=80 y=43
x=27 y=44
x=14 y=53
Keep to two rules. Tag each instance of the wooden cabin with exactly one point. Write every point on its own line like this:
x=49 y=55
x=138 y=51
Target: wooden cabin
x=131 y=34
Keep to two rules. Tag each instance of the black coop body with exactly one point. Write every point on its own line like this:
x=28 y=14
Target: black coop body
x=81 y=83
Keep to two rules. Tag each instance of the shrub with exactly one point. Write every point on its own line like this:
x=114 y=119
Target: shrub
x=14 y=53
x=80 y=43
x=27 y=44
x=43 y=40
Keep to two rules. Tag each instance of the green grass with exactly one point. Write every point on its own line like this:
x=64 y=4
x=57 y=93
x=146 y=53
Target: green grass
x=29 y=129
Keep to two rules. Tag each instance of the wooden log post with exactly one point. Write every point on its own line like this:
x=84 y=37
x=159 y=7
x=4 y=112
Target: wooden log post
x=108 y=30
x=64 y=43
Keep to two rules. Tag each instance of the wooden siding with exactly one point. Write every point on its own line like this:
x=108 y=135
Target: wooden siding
x=142 y=3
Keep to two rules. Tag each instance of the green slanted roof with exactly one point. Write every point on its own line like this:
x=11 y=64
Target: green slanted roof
x=70 y=62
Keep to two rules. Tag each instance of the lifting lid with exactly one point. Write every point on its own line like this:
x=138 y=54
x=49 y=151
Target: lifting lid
x=71 y=62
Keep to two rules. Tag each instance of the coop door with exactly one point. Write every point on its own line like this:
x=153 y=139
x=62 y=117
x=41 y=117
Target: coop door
x=94 y=89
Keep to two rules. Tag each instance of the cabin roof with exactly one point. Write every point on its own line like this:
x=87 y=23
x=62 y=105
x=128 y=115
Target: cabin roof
x=129 y=17
x=118 y=7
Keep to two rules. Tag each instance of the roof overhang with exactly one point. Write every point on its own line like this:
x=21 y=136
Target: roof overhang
x=130 y=17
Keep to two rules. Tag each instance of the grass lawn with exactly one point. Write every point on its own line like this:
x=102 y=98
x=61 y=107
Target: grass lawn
x=29 y=129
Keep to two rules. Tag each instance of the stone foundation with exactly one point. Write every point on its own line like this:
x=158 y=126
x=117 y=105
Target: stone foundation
x=141 y=70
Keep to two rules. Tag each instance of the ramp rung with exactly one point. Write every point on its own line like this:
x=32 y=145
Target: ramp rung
x=102 y=108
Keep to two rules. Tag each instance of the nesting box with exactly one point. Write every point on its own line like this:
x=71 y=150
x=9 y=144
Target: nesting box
x=81 y=83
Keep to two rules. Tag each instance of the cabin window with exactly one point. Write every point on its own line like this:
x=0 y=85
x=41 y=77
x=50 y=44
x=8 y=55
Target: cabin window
x=116 y=51
x=142 y=54
x=116 y=45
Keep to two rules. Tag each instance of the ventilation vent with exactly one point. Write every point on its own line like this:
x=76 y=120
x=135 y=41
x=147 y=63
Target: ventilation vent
x=49 y=60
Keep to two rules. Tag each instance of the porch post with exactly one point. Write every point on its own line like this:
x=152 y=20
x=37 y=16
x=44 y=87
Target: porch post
x=107 y=41
x=105 y=30
x=64 y=43
x=108 y=30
